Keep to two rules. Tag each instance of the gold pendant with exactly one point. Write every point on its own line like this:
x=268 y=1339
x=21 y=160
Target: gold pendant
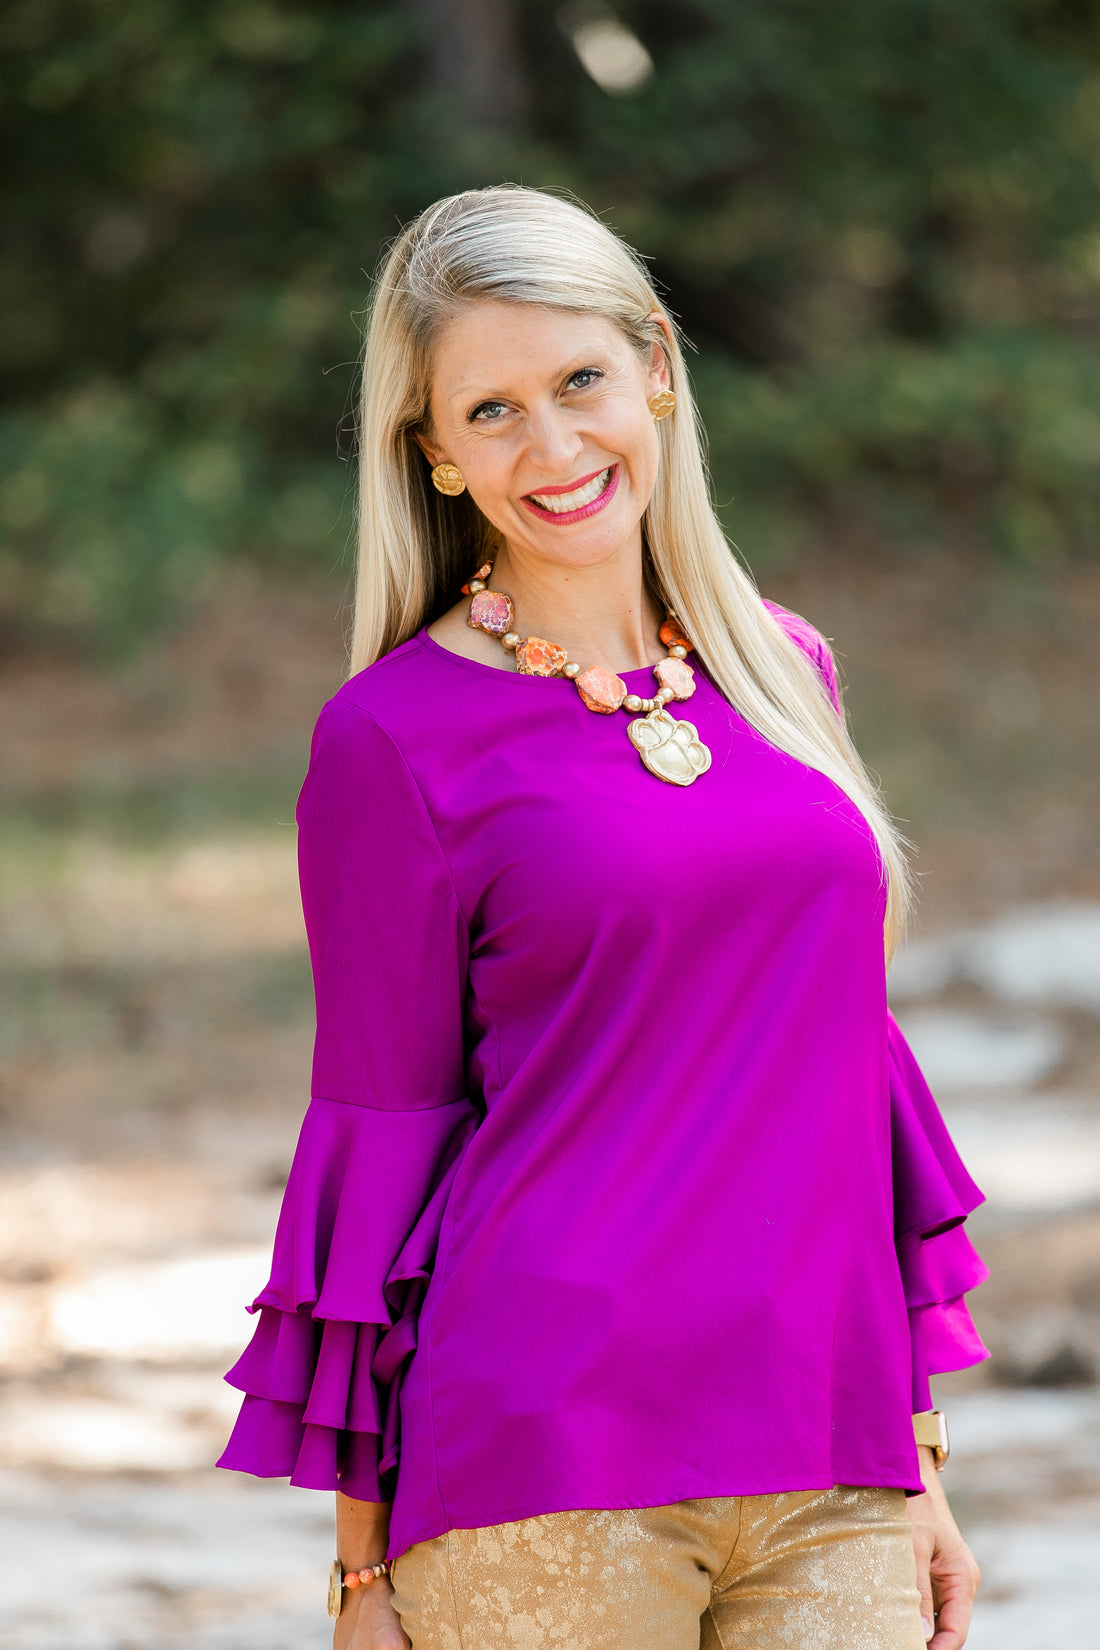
x=670 y=749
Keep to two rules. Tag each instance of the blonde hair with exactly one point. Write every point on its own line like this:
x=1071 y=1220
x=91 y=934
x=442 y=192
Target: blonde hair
x=518 y=245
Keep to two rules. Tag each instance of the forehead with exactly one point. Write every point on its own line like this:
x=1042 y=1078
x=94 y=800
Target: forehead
x=489 y=345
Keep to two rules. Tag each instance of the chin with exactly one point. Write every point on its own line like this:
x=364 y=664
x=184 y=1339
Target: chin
x=586 y=550
x=586 y=543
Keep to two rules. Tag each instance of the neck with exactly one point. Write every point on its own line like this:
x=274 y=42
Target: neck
x=602 y=615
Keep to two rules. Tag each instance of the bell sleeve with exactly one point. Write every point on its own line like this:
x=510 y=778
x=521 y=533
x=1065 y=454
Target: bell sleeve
x=384 y=1132
x=933 y=1194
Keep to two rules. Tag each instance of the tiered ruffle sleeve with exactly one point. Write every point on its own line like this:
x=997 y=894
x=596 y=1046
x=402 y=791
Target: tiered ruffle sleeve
x=933 y=1192
x=383 y=1134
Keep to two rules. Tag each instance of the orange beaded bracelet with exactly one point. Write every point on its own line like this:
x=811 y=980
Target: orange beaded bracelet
x=338 y=1580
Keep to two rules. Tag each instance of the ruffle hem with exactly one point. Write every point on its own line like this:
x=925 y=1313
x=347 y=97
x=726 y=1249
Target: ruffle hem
x=354 y=1249
x=933 y=1194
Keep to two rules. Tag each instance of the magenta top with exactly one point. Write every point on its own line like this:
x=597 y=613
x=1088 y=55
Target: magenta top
x=618 y=1186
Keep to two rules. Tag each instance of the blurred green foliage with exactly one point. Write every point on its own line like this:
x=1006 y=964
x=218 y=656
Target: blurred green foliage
x=879 y=224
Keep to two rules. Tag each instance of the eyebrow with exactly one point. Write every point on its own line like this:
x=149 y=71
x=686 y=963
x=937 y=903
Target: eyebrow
x=580 y=358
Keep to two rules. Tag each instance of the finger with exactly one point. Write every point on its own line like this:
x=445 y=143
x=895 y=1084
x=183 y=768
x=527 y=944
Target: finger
x=953 y=1621
x=922 y=1552
x=924 y=1586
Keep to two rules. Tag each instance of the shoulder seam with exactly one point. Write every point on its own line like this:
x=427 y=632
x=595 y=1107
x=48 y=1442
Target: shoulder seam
x=353 y=704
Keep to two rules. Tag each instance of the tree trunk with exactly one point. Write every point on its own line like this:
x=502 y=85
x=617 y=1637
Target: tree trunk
x=475 y=62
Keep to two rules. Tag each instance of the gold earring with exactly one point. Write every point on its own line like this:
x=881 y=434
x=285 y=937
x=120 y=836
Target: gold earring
x=447 y=478
x=662 y=404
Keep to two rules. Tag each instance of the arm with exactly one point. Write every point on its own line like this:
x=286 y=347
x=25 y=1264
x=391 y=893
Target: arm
x=381 y=1142
x=932 y=1195
x=368 y=1620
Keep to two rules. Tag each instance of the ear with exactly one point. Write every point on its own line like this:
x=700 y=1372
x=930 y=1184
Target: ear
x=660 y=376
x=431 y=452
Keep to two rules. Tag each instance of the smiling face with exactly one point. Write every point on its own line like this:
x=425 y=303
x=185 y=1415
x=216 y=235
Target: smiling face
x=544 y=412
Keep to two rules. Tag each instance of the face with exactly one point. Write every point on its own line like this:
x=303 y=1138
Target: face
x=545 y=414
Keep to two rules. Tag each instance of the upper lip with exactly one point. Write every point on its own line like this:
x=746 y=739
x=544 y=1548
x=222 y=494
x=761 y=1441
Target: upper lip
x=570 y=486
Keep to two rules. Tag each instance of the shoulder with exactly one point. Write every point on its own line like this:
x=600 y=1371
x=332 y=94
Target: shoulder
x=389 y=701
x=810 y=642
x=363 y=773
x=405 y=677
x=801 y=632
x=389 y=731
x=359 y=731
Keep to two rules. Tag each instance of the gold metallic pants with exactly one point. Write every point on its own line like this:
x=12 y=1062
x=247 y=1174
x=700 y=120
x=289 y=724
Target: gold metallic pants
x=808 y=1570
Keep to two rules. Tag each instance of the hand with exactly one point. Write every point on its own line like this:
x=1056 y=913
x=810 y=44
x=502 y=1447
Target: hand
x=369 y=1621
x=946 y=1572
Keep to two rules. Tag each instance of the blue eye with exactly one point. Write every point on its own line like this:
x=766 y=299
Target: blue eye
x=488 y=411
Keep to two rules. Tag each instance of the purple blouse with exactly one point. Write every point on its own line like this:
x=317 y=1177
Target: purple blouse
x=618 y=1186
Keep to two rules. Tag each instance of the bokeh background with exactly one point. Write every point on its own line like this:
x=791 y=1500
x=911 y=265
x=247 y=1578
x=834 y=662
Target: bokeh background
x=879 y=227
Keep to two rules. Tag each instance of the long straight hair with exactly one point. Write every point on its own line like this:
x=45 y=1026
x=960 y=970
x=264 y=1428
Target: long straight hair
x=523 y=246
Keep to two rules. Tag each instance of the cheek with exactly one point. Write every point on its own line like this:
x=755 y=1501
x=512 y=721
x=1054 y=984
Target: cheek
x=489 y=477
x=481 y=462
x=643 y=453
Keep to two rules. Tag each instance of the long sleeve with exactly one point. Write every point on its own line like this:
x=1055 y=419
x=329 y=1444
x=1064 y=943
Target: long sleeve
x=933 y=1193
x=386 y=1125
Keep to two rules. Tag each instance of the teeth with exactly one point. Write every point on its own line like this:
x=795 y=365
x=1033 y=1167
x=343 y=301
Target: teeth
x=559 y=504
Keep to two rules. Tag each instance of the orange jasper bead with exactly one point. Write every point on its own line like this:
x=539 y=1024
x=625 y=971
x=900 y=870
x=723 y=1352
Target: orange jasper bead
x=601 y=689
x=671 y=633
x=536 y=657
x=351 y=1579
x=677 y=676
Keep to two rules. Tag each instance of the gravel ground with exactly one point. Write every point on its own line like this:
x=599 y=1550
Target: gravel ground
x=204 y=1561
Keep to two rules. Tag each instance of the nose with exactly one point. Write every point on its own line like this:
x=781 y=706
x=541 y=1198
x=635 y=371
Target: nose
x=553 y=441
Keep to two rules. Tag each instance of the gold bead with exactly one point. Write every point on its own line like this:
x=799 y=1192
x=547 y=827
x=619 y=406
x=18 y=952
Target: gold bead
x=475 y=586
x=510 y=640
x=571 y=670
x=673 y=652
x=664 y=695
x=632 y=702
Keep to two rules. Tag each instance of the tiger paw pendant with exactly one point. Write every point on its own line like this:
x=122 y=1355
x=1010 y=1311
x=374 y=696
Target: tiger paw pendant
x=670 y=749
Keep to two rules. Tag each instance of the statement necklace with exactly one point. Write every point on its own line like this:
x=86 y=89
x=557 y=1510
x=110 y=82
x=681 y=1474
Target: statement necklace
x=670 y=749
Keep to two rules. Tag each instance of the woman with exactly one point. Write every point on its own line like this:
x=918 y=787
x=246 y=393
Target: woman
x=622 y=1233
